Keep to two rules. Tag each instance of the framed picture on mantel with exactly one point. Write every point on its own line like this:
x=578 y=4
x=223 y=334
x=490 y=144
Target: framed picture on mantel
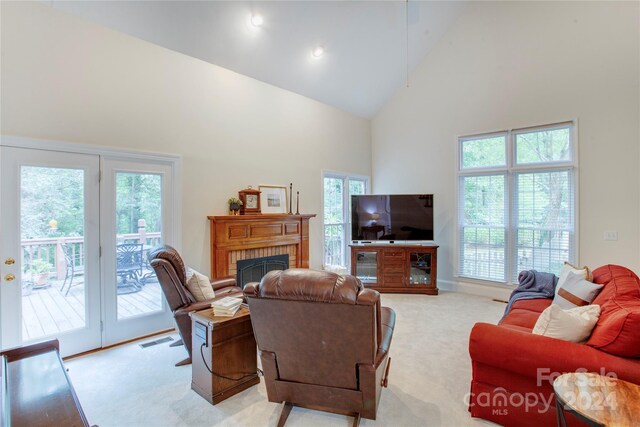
x=273 y=198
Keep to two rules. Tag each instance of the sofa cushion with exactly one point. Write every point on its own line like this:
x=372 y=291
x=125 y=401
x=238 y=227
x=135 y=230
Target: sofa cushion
x=573 y=325
x=525 y=313
x=575 y=291
x=618 y=280
x=617 y=329
x=199 y=286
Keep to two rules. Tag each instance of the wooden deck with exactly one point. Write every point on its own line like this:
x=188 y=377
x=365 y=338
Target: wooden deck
x=48 y=311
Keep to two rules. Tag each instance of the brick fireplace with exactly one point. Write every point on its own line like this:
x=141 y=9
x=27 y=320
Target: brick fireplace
x=244 y=237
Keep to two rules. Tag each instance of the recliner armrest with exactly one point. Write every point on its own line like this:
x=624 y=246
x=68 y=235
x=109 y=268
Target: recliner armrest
x=388 y=322
x=196 y=306
x=371 y=297
x=251 y=289
x=223 y=282
x=368 y=297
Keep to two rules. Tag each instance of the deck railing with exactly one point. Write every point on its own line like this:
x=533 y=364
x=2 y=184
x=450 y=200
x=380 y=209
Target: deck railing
x=51 y=250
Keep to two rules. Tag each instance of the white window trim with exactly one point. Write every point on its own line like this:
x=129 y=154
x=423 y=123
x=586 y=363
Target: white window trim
x=509 y=170
x=345 y=176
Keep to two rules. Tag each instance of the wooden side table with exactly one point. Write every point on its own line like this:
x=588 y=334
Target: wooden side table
x=224 y=359
x=597 y=400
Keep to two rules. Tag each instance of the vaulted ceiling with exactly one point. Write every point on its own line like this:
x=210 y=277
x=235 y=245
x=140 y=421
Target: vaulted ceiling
x=365 y=42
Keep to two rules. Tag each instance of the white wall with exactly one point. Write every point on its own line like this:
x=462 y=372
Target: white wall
x=67 y=79
x=515 y=64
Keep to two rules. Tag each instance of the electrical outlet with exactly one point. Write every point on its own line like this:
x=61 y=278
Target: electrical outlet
x=610 y=235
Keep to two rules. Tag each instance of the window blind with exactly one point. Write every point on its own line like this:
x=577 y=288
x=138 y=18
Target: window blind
x=544 y=226
x=483 y=227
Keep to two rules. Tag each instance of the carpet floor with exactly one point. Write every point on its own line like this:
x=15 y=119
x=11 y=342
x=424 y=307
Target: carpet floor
x=429 y=378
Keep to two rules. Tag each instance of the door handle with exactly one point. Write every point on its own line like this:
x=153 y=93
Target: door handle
x=9 y=277
x=9 y=261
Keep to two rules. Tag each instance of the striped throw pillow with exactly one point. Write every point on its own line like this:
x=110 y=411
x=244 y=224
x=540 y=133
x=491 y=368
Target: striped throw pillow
x=575 y=292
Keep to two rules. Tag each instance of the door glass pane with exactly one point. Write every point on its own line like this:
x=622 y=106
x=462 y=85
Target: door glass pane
x=356 y=188
x=333 y=245
x=52 y=218
x=333 y=221
x=138 y=229
x=420 y=268
x=333 y=200
x=367 y=266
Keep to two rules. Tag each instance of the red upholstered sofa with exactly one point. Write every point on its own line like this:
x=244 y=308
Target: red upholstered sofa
x=513 y=369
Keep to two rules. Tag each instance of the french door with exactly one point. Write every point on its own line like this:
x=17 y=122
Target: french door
x=136 y=216
x=73 y=248
x=49 y=249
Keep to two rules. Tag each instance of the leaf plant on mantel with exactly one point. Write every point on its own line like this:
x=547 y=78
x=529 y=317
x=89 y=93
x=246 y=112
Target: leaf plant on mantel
x=234 y=205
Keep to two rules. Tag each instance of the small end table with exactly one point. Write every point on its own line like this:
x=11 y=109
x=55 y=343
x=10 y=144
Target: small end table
x=597 y=400
x=224 y=354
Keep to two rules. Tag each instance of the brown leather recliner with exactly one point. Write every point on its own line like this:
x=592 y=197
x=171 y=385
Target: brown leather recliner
x=323 y=341
x=172 y=276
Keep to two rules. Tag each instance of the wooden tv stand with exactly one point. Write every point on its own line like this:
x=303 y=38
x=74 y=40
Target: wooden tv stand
x=395 y=267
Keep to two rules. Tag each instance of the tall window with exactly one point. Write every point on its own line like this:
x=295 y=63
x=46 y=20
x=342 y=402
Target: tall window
x=338 y=189
x=516 y=203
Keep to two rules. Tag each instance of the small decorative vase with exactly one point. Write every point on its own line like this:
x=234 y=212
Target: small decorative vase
x=234 y=209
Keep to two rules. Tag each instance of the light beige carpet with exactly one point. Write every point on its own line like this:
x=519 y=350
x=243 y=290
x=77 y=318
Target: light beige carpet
x=429 y=377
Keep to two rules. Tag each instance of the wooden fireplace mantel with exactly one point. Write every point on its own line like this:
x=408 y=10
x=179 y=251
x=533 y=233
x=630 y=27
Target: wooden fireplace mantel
x=231 y=233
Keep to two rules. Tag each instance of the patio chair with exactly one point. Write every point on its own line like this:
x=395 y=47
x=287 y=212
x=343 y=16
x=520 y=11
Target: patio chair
x=72 y=270
x=129 y=266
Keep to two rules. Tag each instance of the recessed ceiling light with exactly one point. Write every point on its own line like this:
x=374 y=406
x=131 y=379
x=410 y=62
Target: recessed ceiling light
x=317 y=52
x=257 y=20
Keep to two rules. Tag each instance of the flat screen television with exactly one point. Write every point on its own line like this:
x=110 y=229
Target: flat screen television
x=392 y=217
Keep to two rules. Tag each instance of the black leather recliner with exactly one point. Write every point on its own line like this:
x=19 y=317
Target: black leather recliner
x=172 y=276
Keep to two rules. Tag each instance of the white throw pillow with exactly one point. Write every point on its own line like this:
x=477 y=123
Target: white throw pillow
x=567 y=268
x=573 y=325
x=576 y=292
x=199 y=285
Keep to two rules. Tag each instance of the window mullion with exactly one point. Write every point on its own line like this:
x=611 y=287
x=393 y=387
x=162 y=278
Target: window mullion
x=511 y=201
x=345 y=212
x=511 y=226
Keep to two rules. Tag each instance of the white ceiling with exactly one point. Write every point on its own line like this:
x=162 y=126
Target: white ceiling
x=365 y=41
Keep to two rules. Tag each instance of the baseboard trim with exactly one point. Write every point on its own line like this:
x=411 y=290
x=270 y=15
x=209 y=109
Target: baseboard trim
x=95 y=350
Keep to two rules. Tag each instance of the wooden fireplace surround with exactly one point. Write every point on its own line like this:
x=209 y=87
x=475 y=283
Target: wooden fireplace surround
x=240 y=232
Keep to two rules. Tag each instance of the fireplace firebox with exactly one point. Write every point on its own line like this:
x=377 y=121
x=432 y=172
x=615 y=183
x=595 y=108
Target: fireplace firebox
x=252 y=270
